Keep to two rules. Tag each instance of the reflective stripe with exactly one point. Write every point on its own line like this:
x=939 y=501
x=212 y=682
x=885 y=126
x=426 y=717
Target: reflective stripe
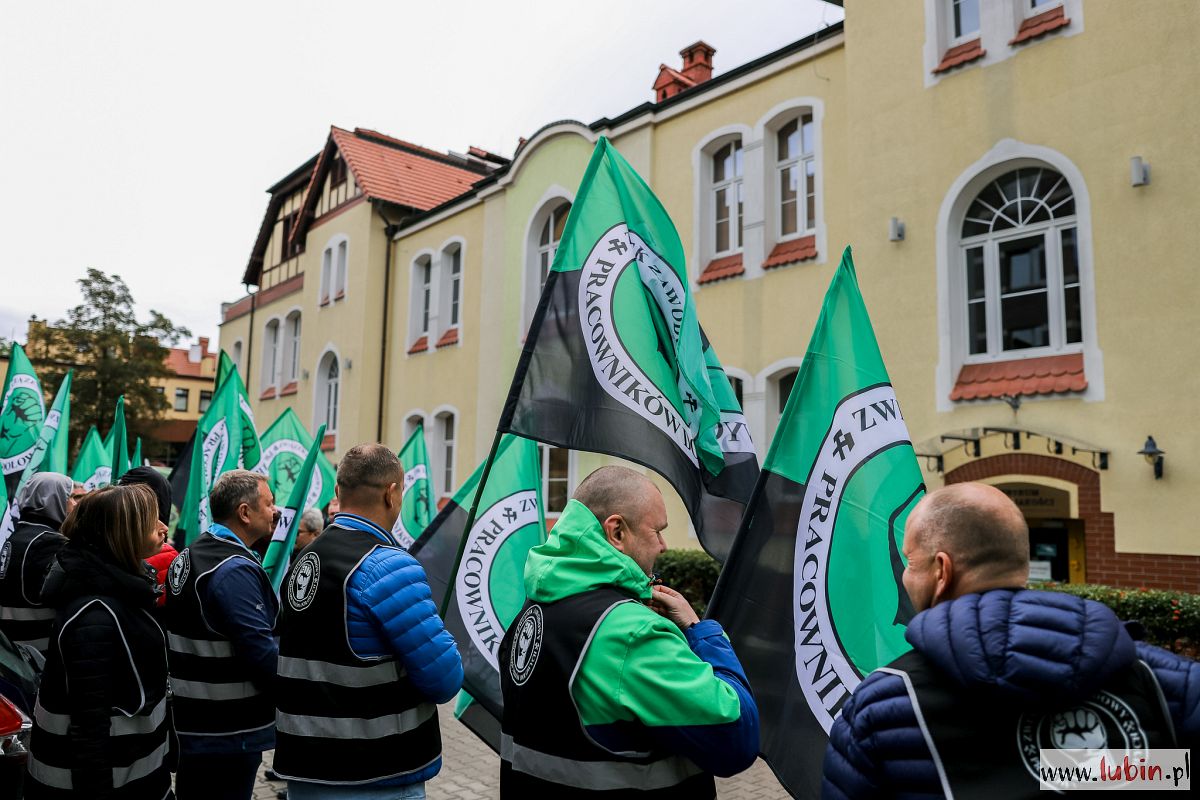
x=119 y=724
x=199 y=690
x=325 y=672
x=199 y=647
x=15 y=614
x=60 y=778
x=597 y=775
x=354 y=727
x=37 y=644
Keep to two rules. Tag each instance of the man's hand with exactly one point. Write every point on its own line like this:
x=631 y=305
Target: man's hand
x=674 y=606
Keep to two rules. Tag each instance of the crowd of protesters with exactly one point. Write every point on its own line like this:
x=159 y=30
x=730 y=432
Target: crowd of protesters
x=155 y=661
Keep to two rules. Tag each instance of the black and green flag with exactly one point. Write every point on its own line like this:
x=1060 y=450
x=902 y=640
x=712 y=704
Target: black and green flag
x=811 y=593
x=22 y=412
x=615 y=361
x=415 y=505
x=278 y=558
x=50 y=452
x=487 y=591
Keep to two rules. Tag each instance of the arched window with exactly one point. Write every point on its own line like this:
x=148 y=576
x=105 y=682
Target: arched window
x=727 y=197
x=326 y=275
x=237 y=355
x=449 y=303
x=328 y=400
x=271 y=356
x=445 y=432
x=545 y=235
x=411 y=423
x=420 y=303
x=557 y=478
x=795 y=177
x=779 y=389
x=342 y=254
x=1019 y=266
x=291 y=350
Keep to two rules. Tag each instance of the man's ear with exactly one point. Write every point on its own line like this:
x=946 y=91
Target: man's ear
x=944 y=576
x=614 y=531
x=391 y=500
x=243 y=513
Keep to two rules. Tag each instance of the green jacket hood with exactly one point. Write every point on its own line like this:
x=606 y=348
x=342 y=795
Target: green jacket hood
x=577 y=558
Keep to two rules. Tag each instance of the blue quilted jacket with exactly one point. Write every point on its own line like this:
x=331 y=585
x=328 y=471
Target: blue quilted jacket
x=390 y=611
x=1029 y=645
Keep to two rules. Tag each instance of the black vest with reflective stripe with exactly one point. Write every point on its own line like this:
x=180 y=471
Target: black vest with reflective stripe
x=545 y=751
x=987 y=748
x=213 y=691
x=137 y=743
x=23 y=618
x=342 y=719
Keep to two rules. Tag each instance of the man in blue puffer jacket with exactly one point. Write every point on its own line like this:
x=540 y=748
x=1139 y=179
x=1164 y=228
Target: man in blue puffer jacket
x=363 y=655
x=997 y=671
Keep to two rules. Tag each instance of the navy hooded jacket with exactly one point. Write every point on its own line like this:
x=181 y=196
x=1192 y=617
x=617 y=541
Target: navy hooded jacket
x=1029 y=646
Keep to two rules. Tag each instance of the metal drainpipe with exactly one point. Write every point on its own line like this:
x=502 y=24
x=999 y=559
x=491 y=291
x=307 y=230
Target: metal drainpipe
x=389 y=231
x=250 y=337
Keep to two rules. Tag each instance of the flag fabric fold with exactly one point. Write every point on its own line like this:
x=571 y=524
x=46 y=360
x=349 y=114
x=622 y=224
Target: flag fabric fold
x=278 y=558
x=415 y=506
x=286 y=445
x=120 y=441
x=615 y=361
x=488 y=589
x=50 y=453
x=22 y=412
x=93 y=464
x=811 y=594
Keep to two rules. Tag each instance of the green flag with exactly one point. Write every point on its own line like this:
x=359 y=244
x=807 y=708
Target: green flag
x=285 y=447
x=615 y=344
x=6 y=525
x=811 y=594
x=415 y=507
x=22 y=412
x=488 y=590
x=225 y=440
x=279 y=552
x=225 y=366
x=53 y=432
x=136 y=459
x=93 y=465
x=120 y=442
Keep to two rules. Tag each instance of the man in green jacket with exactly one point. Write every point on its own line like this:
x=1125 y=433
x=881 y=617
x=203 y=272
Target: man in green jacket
x=611 y=683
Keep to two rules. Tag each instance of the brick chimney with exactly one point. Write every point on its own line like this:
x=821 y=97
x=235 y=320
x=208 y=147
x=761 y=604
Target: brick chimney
x=697 y=68
x=198 y=352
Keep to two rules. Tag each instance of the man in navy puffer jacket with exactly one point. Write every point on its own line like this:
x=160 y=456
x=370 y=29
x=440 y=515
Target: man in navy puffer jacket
x=995 y=664
x=363 y=655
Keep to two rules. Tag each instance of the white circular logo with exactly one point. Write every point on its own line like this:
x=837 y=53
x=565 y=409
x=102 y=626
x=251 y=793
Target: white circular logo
x=526 y=646
x=5 y=557
x=177 y=573
x=302 y=588
x=1103 y=722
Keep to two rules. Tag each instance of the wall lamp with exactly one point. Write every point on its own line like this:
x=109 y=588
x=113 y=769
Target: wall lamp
x=895 y=230
x=1139 y=172
x=1153 y=456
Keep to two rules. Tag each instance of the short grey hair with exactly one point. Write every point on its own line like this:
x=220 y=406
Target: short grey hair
x=366 y=466
x=977 y=525
x=312 y=520
x=615 y=490
x=231 y=490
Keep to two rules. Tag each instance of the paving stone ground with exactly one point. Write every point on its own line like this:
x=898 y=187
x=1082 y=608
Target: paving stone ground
x=471 y=771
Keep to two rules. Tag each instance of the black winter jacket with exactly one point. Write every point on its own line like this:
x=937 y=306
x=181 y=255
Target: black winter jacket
x=102 y=728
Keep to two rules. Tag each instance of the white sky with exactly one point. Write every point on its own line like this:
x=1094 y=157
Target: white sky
x=140 y=137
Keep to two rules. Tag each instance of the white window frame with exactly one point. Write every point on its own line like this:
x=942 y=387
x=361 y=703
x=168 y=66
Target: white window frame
x=753 y=194
x=957 y=39
x=766 y=398
x=531 y=276
x=293 y=330
x=187 y=400
x=1006 y=155
x=322 y=395
x=544 y=469
x=236 y=354
x=451 y=250
x=416 y=298
x=413 y=418
x=801 y=163
x=443 y=447
x=735 y=186
x=271 y=361
x=343 y=266
x=335 y=259
x=325 y=297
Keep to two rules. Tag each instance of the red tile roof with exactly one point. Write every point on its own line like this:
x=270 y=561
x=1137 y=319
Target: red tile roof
x=1027 y=376
x=1041 y=24
x=959 y=55
x=719 y=268
x=448 y=338
x=420 y=345
x=792 y=251
x=668 y=76
x=179 y=363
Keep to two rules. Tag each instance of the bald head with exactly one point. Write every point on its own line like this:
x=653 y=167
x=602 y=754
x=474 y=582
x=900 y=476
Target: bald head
x=615 y=490
x=964 y=538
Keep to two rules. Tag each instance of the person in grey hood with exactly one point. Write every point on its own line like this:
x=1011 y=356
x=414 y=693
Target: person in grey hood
x=26 y=556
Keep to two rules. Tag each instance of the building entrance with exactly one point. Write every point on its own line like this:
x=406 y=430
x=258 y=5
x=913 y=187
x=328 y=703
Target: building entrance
x=1056 y=541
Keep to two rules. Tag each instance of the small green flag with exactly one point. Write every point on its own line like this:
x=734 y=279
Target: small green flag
x=53 y=432
x=225 y=366
x=225 y=440
x=93 y=465
x=279 y=552
x=136 y=460
x=120 y=442
x=285 y=446
x=415 y=506
x=22 y=412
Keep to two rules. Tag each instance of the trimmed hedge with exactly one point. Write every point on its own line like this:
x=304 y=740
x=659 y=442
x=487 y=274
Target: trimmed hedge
x=692 y=573
x=1171 y=619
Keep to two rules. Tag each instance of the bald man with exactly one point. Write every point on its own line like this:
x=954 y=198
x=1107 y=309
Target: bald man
x=613 y=686
x=997 y=672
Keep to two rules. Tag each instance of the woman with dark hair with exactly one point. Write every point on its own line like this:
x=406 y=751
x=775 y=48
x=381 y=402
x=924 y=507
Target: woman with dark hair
x=26 y=556
x=160 y=561
x=101 y=726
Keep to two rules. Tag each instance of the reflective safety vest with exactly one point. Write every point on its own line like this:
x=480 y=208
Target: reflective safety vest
x=342 y=719
x=544 y=749
x=24 y=560
x=137 y=742
x=987 y=747
x=214 y=694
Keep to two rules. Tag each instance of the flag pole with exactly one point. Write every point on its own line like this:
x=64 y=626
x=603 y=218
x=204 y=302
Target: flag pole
x=466 y=534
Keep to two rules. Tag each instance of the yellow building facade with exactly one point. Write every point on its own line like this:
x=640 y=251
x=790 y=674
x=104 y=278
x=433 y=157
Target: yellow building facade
x=1013 y=185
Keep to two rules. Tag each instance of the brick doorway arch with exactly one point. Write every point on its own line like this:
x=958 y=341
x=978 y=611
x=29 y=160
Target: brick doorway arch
x=1103 y=564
